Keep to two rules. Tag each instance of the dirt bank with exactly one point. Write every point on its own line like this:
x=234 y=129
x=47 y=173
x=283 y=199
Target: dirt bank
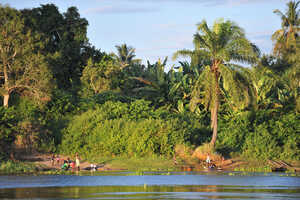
x=44 y=162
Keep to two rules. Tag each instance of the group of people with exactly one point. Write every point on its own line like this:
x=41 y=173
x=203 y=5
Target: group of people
x=66 y=164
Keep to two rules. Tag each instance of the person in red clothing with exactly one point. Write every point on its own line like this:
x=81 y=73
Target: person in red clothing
x=72 y=165
x=58 y=159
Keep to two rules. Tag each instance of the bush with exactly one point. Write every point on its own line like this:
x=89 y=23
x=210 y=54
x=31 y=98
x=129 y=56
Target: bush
x=261 y=135
x=8 y=122
x=135 y=129
x=261 y=144
x=24 y=121
x=17 y=167
x=232 y=132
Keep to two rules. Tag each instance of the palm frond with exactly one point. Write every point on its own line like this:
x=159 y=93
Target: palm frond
x=237 y=86
x=147 y=82
x=125 y=54
x=210 y=36
x=200 y=42
x=242 y=50
x=183 y=53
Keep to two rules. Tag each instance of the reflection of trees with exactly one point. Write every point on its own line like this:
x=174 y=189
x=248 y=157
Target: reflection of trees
x=210 y=191
x=88 y=192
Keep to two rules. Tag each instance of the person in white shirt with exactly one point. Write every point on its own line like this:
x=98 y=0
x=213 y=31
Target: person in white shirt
x=207 y=161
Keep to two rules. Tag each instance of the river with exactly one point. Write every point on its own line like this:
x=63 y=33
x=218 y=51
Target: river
x=159 y=185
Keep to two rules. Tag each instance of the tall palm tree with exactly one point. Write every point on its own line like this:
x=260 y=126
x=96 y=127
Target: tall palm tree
x=222 y=43
x=125 y=55
x=285 y=38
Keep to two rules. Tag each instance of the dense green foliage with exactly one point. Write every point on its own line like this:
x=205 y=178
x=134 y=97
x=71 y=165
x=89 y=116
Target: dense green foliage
x=60 y=94
x=7 y=129
x=134 y=129
x=261 y=135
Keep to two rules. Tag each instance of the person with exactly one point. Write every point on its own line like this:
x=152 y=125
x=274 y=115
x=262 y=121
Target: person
x=174 y=160
x=65 y=166
x=93 y=167
x=72 y=165
x=58 y=160
x=208 y=161
x=52 y=159
x=77 y=161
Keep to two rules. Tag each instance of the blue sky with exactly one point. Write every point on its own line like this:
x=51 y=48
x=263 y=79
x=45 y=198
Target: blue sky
x=158 y=28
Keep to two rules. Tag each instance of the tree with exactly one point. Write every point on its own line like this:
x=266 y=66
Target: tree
x=23 y=68
x=65 y=39
x=198 y=59
x=125 y=55
x=100 y=76
x=291 y=79
x=267 y=88
x=222 y=43
x=287 y=47
x=156 y=83
x=181 y=89
x=285 y=38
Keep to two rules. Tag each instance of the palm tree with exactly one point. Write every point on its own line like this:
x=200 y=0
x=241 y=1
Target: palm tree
x=125 y=55
x=222 y=43
x=286 y=37
x=196 y=56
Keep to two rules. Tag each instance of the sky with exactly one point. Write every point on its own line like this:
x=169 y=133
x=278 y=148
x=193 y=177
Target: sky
x=158 y=28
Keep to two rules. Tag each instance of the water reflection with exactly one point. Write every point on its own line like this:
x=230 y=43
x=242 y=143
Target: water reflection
x=126 y=185
x=152 y=192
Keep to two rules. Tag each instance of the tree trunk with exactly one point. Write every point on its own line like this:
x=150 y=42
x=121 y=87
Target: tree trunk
x=5 y=100
x=5 y=73
x=215 y=124
x=212 y=121
x=215 y=109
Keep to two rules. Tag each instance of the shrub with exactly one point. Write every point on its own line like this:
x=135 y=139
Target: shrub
x=134 y=129
x=8 y=122
x=232 y=132
x=262 y=135
x=261 y=144
x=17 y=167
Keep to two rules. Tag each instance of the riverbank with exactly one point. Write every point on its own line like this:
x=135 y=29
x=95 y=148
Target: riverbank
x=42 y=163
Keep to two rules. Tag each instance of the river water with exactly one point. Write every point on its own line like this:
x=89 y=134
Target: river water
x=163 y=185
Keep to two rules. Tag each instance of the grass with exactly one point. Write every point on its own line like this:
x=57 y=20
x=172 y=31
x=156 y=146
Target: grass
x=138 y=164
x=253 y=166
x=254 y=169
x=12 y=167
